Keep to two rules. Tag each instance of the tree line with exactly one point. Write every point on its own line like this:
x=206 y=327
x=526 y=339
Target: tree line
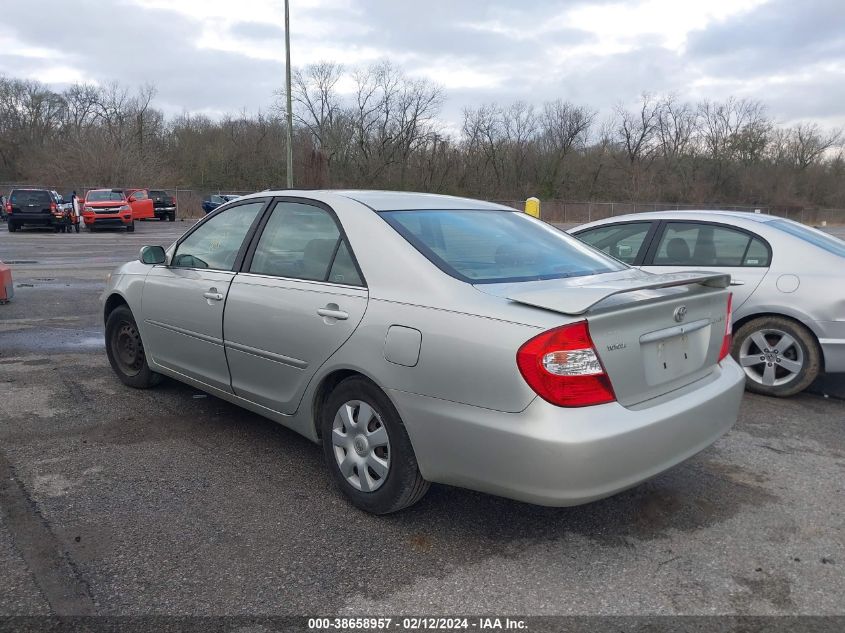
x=378 y=127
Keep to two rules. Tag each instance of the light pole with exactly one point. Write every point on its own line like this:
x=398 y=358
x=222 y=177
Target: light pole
x=287 y=91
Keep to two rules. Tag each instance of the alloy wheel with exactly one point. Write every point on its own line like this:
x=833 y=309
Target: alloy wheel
x=771 y=357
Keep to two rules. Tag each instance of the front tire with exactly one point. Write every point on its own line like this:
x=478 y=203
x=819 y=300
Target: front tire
x=130 y=228
x=367 y=449
x=126 y=350
x=780 y=356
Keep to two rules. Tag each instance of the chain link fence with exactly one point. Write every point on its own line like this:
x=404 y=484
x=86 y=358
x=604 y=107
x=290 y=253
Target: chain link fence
x=188 y=201
x=189 y=205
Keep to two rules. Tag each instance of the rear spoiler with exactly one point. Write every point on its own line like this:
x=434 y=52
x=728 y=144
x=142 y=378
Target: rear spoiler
x=578 y=294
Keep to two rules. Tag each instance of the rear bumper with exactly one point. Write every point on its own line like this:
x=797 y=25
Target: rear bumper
x=559 y=457
x=832 y=341
x=36 y=219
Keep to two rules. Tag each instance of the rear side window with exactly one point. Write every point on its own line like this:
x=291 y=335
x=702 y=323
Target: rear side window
x=694 y=244
x=215 y=243
x=24 y=198
x=497 y=246
x=301 y=241
x=622 y=241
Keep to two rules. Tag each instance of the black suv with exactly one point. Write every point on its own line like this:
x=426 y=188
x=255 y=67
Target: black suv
x=35 y=207
x=164 y=205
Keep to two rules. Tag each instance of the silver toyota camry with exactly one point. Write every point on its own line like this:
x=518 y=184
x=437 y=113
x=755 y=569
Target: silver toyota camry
x=424 y=338
x=787 y=282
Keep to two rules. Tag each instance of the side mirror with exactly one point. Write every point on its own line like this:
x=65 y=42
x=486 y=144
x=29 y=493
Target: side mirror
x=152 y=255
x=131 y=198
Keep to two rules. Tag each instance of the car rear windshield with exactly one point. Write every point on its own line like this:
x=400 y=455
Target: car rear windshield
x=24 y=197
x=812 y=236
x=158 y=194
x=497 y=246
x=104 y=195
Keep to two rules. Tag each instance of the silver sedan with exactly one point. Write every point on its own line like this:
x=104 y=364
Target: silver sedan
x=424 y=338
x=787 y=282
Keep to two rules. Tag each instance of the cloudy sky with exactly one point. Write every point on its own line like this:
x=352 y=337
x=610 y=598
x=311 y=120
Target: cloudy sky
x=219 y=56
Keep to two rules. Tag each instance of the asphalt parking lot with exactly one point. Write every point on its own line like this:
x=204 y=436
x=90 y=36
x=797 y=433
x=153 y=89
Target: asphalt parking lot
x=167 y=501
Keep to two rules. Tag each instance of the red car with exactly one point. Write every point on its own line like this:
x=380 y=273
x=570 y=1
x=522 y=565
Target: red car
x=107 y=208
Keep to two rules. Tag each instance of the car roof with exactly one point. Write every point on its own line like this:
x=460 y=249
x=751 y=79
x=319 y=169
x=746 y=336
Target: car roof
x=689 y=214
x=395 y=200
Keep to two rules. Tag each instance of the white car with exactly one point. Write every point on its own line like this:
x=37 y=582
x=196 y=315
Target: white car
x=787 y=281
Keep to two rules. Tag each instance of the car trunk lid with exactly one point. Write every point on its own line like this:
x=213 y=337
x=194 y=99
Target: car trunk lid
x=652 y=333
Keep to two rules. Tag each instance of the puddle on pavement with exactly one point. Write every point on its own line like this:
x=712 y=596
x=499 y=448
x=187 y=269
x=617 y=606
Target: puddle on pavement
x=50 y=339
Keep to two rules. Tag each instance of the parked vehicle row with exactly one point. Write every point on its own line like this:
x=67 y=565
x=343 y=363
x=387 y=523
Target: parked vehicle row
x=98 y=208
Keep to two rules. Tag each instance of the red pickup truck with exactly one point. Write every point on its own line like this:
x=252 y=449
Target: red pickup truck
x=107 y=208
x=116 y=208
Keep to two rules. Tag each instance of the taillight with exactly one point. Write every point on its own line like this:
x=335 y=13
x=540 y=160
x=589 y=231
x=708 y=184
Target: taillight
x=562 y=367
x=8 y=207
x=726 y=341
x=53 y=207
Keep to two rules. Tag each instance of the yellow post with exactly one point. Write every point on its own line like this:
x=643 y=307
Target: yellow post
x=532 y=207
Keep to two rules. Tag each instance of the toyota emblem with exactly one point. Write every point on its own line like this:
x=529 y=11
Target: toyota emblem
x=680 y=313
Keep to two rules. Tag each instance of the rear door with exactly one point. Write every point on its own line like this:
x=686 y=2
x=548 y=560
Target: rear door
x=299 y=298
x=690 y=245
x=182 y=303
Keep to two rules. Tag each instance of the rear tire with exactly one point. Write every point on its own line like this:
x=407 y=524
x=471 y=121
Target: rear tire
x=780 y=356
x=12 y=226
x=77 y=227
x=171 y=217
x=367 y=449
x=126 y=350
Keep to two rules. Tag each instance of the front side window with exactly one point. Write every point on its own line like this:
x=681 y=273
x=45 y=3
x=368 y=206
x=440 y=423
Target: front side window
x=139 y=195
x=215 y=243
x=479 y=246
x=622 y=241
x=301 y=241
x=694 y=244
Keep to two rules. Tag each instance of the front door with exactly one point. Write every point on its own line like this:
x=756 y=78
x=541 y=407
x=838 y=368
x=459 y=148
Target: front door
x=182 y=303
x=142 y=205
x=298 y=300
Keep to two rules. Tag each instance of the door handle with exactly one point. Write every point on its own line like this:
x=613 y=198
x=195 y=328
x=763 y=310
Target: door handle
x=340 y=315
x=213 y=295
x=737 y=282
